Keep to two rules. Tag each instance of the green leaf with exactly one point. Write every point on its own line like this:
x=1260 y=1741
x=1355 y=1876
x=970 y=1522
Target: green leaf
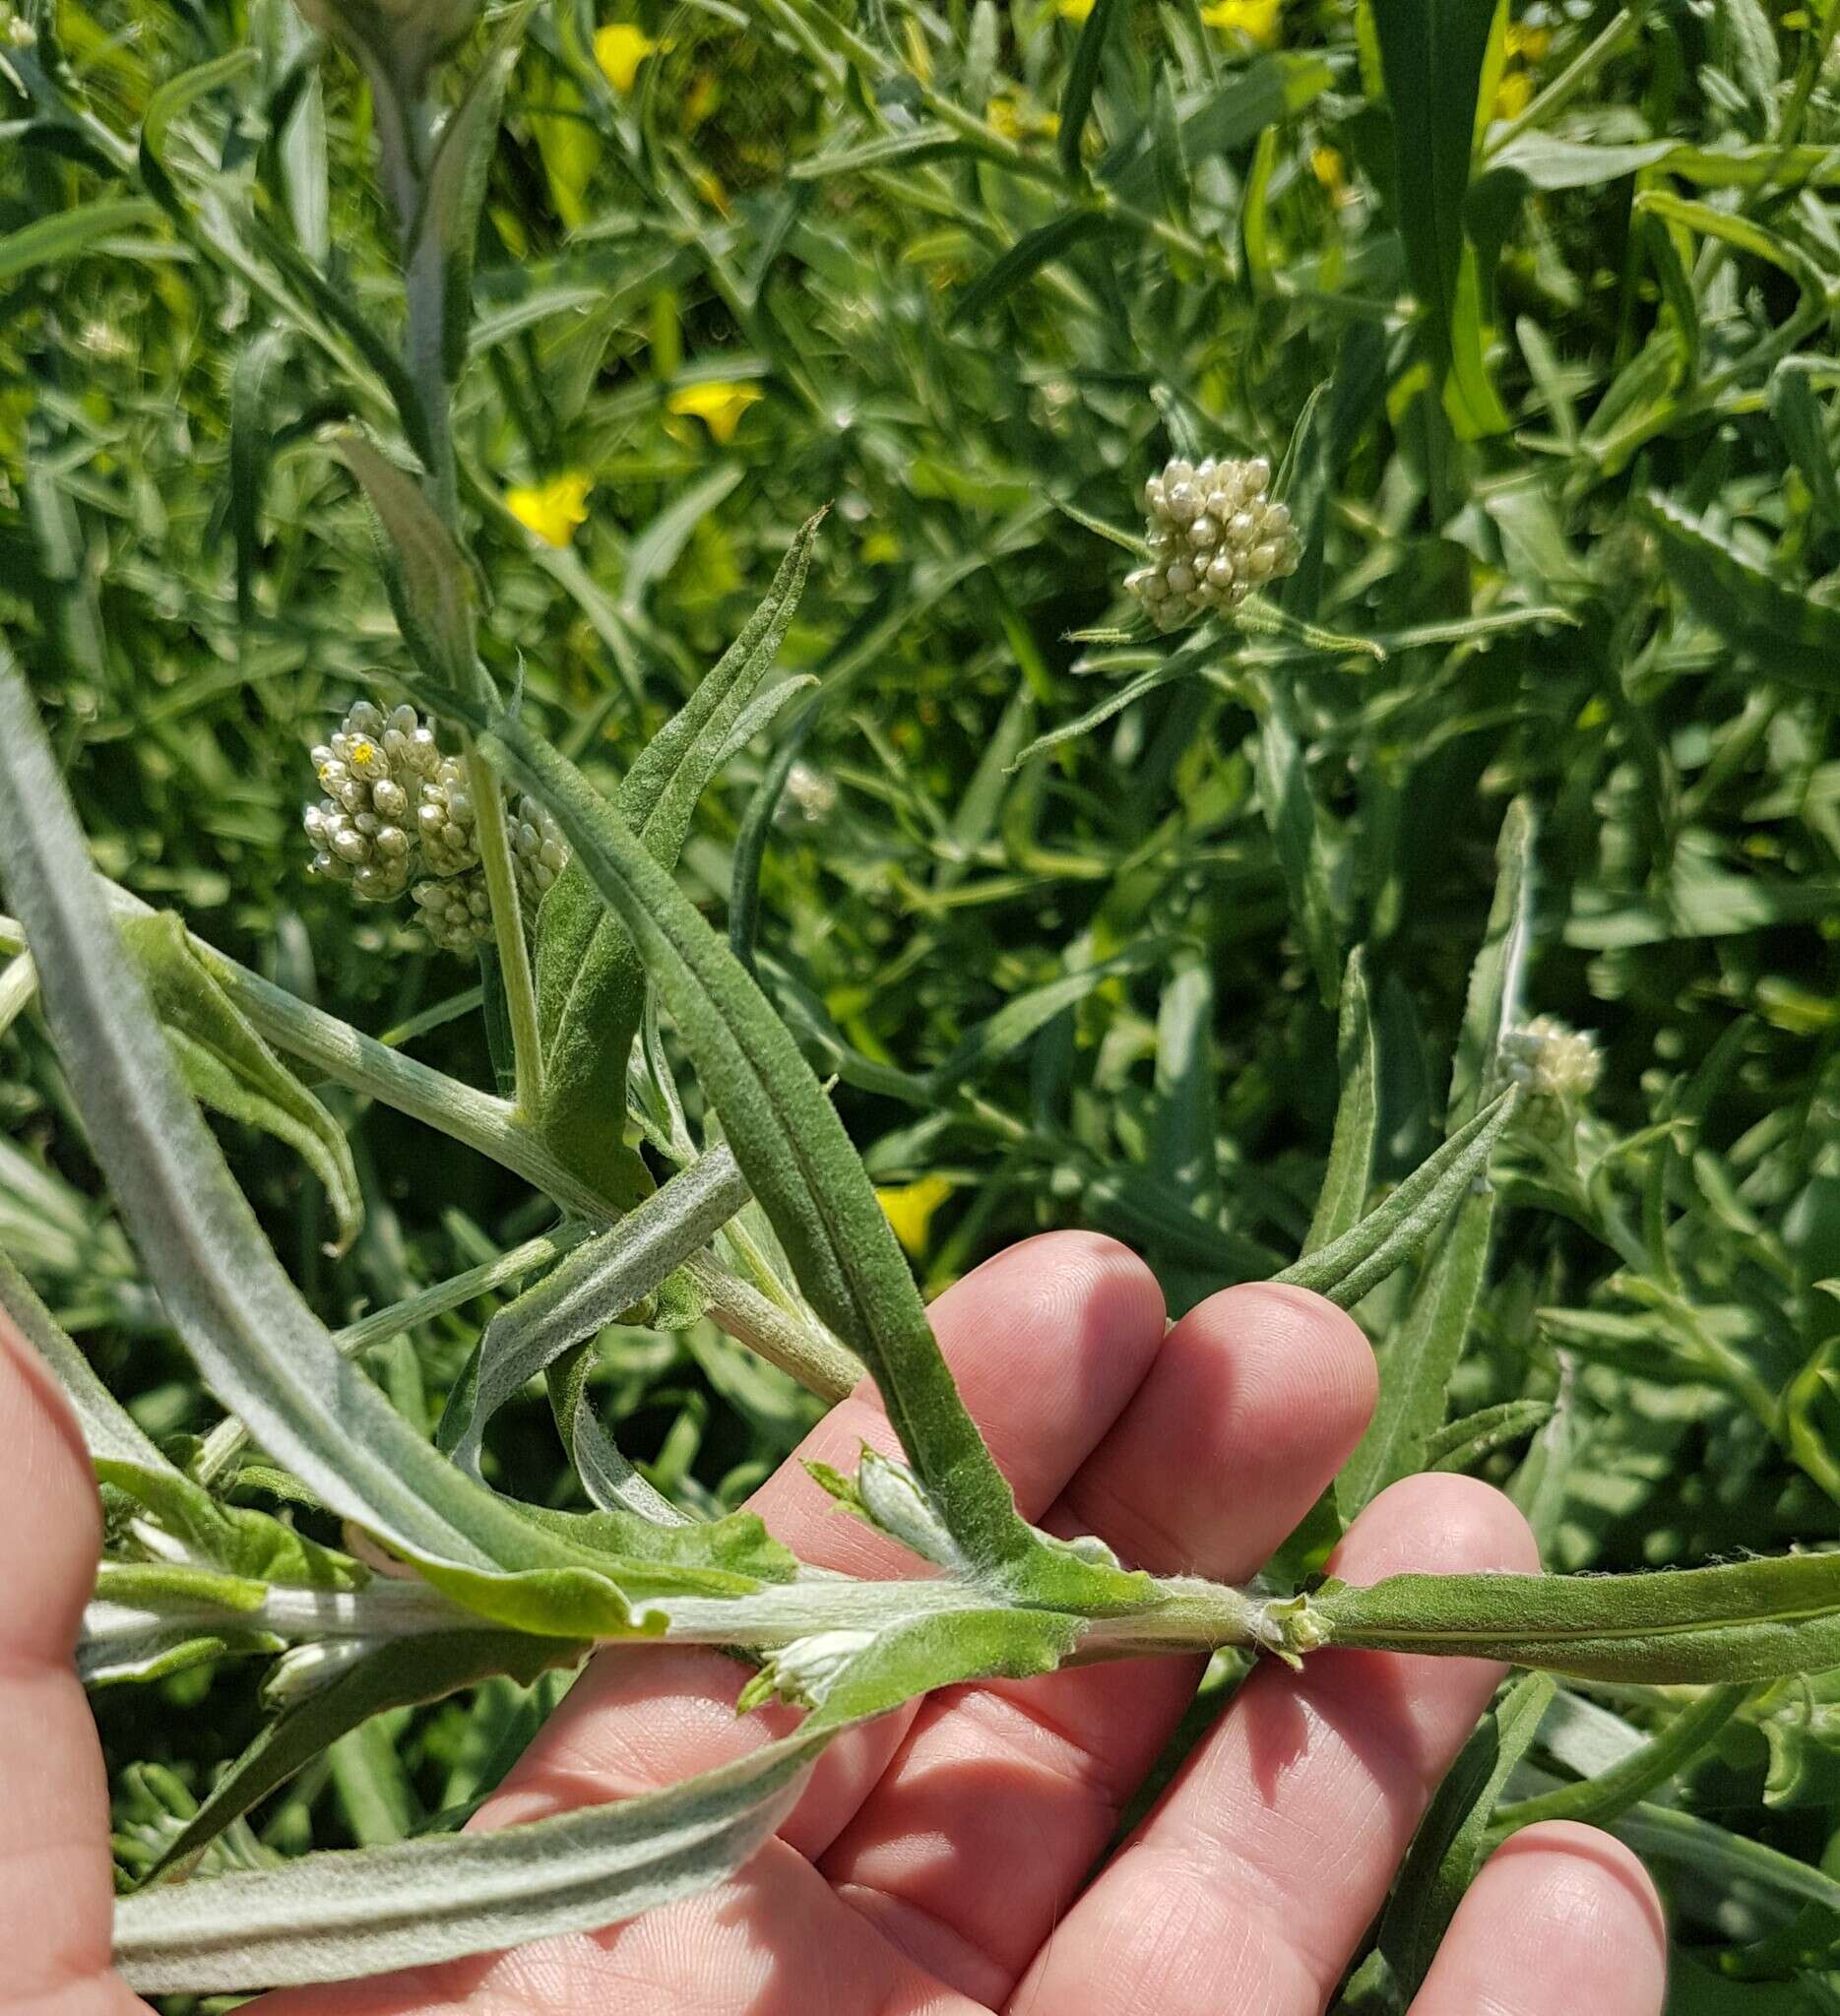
x=612 y=1482
x=1793 y=638
x=231 y=1069
x=1798 y=421
x=1302 y=833
x=802 y=1167
x=165 y=105
x=1184 y=1144
x=1461 y=1446
x=429 y=582
x=1431 y=54
x=442 y=241
x=1417 y=1364
x=751 y=843
x=1750 y=1620
x=1357 y=1114
x=655 y=550
x=1598 y=1801
x=1350 y=1267
x=1493 y=1004
x=1269 y=89
x=67 y=232
x=590 y=979
x=594 y=1286
x=1025 y=257
x=1453 y=1837
x=398 y=1673
x=252 y=436
x=1076 y=95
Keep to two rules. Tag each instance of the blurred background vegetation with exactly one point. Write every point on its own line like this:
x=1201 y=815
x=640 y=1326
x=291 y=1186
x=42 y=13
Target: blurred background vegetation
x=738 y=262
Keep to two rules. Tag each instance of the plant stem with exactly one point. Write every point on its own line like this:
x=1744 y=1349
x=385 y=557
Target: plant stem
x=514 y=956
x=1604 y=1797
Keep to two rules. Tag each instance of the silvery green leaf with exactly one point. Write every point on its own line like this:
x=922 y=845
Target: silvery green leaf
x=610 y=1482
x=108 y=1430
x=337 y=1916
x=442 y=240
x=1391 y=1234
x=1453 y=1837
x=430 y=585
x=230 y=1067
x=595 y=1284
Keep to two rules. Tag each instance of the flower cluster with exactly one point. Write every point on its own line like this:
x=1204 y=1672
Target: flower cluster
x=399 y=815
x=372 y=773
x=1214 y=536
x=1552 y=1060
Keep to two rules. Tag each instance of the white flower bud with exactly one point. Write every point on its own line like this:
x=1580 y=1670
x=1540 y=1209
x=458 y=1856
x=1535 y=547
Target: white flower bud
x=894 y=1499
x=805 y=1670
x=1212 y=535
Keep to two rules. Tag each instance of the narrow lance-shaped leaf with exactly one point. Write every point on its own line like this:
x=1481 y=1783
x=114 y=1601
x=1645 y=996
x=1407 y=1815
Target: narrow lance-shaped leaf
x=597 y=1283
x=589 y=980
x=612 y=1482
x=430 y=587
x=1357 y=1114
x=392 y=1675
x=337 y=1916
x=1453 y=1837
x=230 y=1067
x=1391 y=1234
x=1750 y=1620
x=802 y=1167
x=108 y=1430
x=1792 y=636
x=1424 y=1352
x=441 y=244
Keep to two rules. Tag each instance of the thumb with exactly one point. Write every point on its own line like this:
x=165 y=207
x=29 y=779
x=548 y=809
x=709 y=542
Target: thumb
x=57 y=1898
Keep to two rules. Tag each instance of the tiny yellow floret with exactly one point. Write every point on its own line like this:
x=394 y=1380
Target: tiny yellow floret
x=551 y=510
x=620 y=50
x=909 y=1208
x=1256 y=19
x=718 y=405
x=1513 y=95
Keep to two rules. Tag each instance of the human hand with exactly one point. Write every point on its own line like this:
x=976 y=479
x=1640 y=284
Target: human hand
x=935 y=1863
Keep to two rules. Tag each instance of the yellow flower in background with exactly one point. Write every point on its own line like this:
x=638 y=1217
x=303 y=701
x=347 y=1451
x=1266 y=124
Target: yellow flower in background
x=620 y=50
x=1329 y=169
x=551 y=510
x=1256 y=19
x=1513 y=95
x=909 y=1208
x=1074 y=10
x=1530 y=43
x=1014 y=120
x=718 y=406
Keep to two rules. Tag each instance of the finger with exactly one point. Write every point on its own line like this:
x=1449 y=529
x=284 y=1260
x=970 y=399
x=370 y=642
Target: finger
x=1002 y=1796
x=1047 y=1342
x=56 y=1885
x=1252 y=1881
x=1562 y=1919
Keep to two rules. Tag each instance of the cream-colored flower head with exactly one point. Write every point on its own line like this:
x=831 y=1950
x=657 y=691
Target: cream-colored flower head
x=1214 y=536
x=1553 y=1060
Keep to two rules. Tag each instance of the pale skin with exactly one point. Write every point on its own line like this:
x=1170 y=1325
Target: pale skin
x=942 y=1861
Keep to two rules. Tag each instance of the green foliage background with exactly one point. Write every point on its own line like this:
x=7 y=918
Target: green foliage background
x=1587 y=501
